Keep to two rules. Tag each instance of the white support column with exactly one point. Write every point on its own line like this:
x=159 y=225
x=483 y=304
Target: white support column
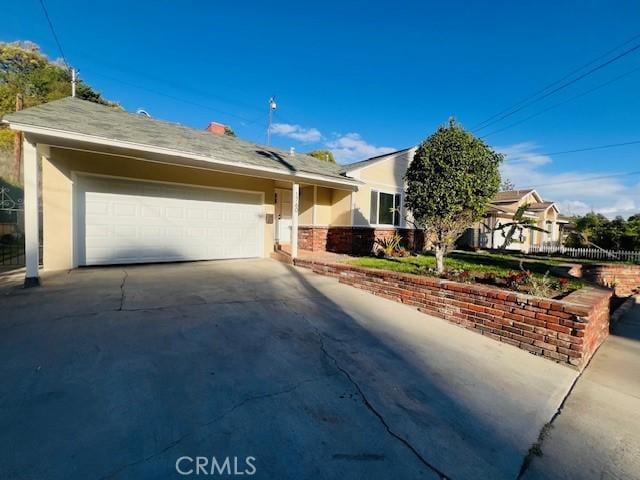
x=314 y=214
x=295 y=201
x=31 y=214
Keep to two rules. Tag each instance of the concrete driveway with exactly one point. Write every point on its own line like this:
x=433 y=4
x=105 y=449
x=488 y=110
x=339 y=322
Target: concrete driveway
x=118 y=372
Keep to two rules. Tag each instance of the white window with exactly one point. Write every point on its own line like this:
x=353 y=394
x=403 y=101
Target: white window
x=385 y=208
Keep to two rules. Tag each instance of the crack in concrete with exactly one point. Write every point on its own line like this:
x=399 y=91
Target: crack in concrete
x=536 y=449
x=227 y=412
x=373 y=410
x=123 y=294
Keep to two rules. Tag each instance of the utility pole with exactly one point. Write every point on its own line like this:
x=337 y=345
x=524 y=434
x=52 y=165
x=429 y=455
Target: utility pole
x=272 y=107
x=73 y=82
x=17 y=142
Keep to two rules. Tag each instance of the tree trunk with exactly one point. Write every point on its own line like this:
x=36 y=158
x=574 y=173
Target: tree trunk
x=439 y=259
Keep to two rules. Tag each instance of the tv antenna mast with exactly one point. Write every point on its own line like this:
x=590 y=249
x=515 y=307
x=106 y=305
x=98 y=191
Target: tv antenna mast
x=272 y=107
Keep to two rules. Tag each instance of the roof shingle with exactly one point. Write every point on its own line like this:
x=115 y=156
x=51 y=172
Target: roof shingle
x=88 y=118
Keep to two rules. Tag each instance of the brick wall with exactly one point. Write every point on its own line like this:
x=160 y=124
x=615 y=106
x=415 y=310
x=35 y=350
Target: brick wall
x=354 y=240
x=566 y=331
x=623 y=278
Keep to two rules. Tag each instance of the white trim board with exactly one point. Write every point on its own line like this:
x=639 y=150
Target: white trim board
x=80 y=137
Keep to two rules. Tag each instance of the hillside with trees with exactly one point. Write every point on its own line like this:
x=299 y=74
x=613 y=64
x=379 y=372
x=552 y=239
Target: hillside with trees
x=26 y=71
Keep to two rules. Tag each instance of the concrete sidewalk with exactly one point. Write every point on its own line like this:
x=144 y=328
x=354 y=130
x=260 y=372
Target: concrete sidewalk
x=597 y=433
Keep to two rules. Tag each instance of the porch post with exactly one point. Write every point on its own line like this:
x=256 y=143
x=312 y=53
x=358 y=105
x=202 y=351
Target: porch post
x=295 y=200
x=314 y=215
x=31 y=215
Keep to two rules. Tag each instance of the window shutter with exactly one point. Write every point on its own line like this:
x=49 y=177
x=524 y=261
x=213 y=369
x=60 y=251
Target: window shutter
x=373 y=215
x=397 y=210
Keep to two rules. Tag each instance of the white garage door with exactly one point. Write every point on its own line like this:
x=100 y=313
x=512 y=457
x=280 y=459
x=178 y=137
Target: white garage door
x=123 y=221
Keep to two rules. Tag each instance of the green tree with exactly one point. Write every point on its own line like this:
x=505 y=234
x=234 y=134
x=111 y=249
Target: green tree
x=324 y=155
x=452 y=178
x=26 y=70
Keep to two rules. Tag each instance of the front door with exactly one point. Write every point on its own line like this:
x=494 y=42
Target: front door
x=283 y=214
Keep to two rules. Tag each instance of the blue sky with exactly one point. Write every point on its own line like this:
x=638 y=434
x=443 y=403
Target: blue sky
x=364 y=78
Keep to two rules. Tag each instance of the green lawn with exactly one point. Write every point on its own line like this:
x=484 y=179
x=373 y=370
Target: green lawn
x=498 y=264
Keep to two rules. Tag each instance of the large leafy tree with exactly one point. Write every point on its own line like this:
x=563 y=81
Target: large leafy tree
x=25 y=70
x=451 y=180
x=596 y=230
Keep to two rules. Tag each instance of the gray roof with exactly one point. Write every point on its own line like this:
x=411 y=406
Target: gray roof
x=362 y=163
x=79 y=116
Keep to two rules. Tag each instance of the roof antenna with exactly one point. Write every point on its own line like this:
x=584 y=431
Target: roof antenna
x=272 y=107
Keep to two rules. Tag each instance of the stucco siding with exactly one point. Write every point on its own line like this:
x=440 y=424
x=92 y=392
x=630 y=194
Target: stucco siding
x=305 y=210
x=362 y=206
x=341 y=208
x=57 y=187
x=323 y=205
x=386 y=175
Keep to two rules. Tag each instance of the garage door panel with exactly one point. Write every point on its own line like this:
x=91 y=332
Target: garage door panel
x=134 y=222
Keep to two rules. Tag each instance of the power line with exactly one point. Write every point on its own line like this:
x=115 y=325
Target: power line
x=576 y=70
x=53 y=31
x=536 y=96
x=584 y=180
x=179 y=99
x=598 y=147
x=182 y=87
x=558 y=104
x=564 y=85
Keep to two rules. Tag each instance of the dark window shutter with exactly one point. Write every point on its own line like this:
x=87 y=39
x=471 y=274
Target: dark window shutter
x=373 y=215
x=397 y=210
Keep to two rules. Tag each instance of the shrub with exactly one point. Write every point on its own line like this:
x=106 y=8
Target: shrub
x=388 y=246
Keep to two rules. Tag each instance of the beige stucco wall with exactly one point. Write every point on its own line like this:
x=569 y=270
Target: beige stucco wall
x=323 y=206
x=305 y=209
x=387 y=175
x=341 y=208
x=57 y=190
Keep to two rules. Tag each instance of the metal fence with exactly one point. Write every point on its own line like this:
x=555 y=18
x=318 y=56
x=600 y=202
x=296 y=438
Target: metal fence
x=12 y=253
x=588 y=253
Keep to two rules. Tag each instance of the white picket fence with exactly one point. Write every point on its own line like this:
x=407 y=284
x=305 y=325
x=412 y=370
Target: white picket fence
x=590 y=253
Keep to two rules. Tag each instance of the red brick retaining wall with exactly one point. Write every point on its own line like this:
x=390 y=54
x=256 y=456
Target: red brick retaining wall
x=567 y=331
x=354 y=240
x=623 y=278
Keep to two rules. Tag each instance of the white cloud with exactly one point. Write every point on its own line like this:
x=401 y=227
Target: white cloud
x=524 y=153
x=573 y=191
x=305 y=135
x=351 y=147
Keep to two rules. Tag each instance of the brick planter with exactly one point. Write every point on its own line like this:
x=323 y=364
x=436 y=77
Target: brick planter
x=567 y=331
x=353 y=240
x=623 y=278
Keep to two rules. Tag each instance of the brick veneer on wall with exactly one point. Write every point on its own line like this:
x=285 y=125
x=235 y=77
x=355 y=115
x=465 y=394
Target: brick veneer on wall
x=567 y=331
x=353 y=240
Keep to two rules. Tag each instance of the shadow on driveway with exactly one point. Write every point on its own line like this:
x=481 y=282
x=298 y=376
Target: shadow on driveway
x=117 y=372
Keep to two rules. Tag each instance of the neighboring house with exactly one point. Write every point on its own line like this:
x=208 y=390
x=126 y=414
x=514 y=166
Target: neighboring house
x=543 y=214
